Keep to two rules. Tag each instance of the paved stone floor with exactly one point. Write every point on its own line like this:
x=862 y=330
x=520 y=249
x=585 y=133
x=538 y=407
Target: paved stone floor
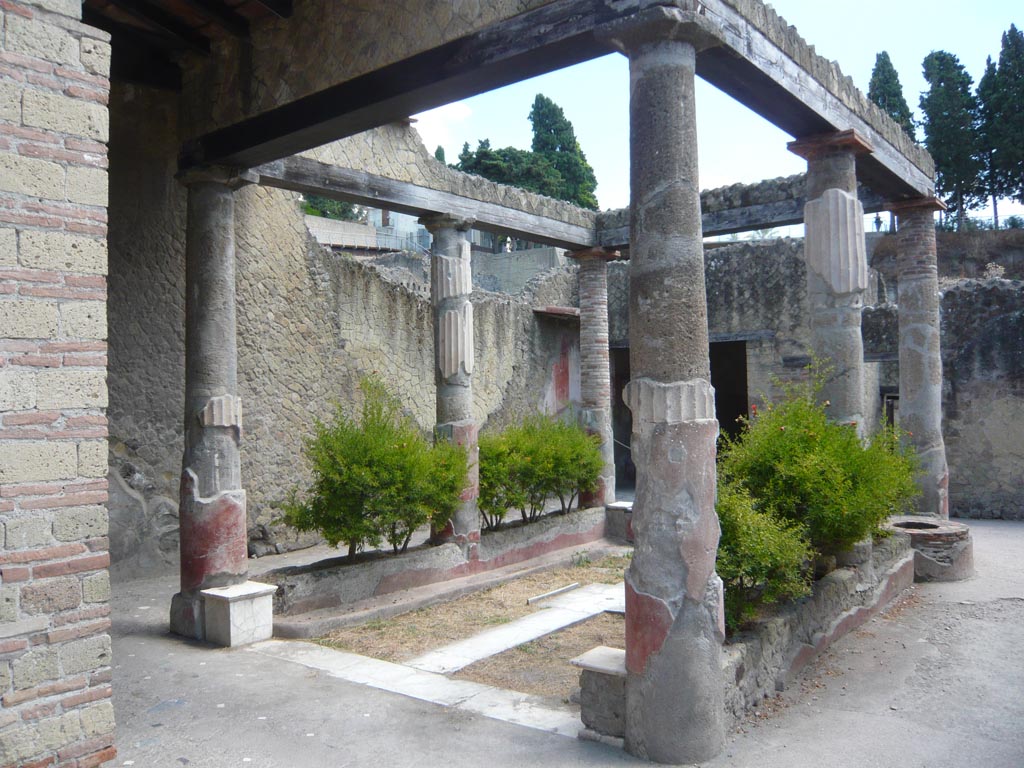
x=938 y=682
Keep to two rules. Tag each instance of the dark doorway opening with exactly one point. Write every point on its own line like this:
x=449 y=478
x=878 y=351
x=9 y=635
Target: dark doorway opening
x=622 y=421
x=729 y=378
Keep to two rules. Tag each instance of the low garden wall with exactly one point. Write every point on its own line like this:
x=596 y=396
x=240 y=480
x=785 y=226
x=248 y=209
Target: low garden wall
x=763 y=660
x=337 y=582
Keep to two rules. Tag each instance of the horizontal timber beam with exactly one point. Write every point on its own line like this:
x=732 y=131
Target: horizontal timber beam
x=311 y=177
x=755 y=71
x=747 y=218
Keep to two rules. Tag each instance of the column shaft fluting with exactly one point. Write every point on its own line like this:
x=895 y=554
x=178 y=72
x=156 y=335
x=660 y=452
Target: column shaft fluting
x=837 y=273
x=212 y=515
x=451 y=284
x=920 y=354
x=595 y=370
x=674 y=623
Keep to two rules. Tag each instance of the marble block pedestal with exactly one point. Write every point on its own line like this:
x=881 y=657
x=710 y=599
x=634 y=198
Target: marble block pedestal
x=239 y=614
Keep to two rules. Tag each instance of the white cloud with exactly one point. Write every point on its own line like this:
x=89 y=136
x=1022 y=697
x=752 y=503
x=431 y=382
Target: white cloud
x=435 y=126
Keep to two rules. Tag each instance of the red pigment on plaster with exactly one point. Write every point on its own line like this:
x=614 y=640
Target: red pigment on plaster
x=648 y=622
x=213 y=537
x=561 y=376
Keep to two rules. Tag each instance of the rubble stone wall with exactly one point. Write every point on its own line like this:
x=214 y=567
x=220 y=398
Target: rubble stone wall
x=311 y=324
x=55 y=654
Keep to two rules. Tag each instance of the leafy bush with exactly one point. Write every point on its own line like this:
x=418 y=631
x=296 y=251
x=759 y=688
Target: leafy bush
x=761 y=559
x=376 y=479
x=799 y=466
x=524 y=466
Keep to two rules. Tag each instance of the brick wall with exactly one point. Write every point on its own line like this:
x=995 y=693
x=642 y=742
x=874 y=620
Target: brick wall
x=55 y=707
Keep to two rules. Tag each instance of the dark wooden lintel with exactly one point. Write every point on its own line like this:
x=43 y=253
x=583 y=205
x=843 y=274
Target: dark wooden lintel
x=280 y=8
x=221 y=16
x=165 y=23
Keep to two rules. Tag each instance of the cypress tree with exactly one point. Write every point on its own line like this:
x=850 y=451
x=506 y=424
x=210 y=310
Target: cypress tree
x=1008 y=129
x=555 y=140
x=950 y=112
x=990 y=109
x=885 y=91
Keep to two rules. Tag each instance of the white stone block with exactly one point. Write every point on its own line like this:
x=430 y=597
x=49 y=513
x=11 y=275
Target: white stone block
x=239 y=614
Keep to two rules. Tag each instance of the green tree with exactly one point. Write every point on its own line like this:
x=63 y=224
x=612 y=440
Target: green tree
x=950 y=110
x=555 y=140
x=1007 y=103
x=885 y=91
x=556 y=166
x=990 y=109
x=439 y=154
x=508 y=165
x=333 y=209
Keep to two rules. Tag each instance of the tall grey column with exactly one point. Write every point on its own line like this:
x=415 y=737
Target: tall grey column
x=451 y=283
x=212 y=514
x=920 y=356
x=674 y=620
x=595 y=371
x=837 y=270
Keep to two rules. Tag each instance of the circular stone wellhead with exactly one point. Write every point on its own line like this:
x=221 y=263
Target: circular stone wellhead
x=943 y=549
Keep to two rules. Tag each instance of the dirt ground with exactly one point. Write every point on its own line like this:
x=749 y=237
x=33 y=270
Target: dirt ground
x=542 y=667
x=526 y=668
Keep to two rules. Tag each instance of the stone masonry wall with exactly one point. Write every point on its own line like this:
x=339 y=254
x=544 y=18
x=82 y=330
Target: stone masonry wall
x=983 y=397
x=756 y=293
x=311 y=323
x=55 y=658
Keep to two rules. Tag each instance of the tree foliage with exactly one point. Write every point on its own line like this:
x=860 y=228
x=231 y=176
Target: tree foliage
x=885 y=90
x=1003 y=109
x=524 y=466
x=555 y=166
x=376 y=478
x=333 y=209
x=950 y=111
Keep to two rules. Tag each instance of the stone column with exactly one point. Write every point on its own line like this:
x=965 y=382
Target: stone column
x=595 y=371
x=451 y=283
x=212 y=516
x=920 y=358
x=674 y=620
x=837 y=270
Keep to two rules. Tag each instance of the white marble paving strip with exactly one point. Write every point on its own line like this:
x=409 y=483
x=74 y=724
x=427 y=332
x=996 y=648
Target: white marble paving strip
x=495 y=703
x=557 y=613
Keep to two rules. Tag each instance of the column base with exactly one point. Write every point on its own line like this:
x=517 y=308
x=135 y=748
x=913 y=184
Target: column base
x=226 y=616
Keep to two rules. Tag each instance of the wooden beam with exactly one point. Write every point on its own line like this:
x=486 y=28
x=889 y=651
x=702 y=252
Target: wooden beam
x=166 y=24
x=750 y=218
x=757 y=73
x=280 y=8
x=221 y=16
x=310 y=177
x=541 y=40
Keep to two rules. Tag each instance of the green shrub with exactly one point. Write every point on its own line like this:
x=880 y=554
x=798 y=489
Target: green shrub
x=761 y=559
x=800 y=467
x=524 y=466
x=376 y=479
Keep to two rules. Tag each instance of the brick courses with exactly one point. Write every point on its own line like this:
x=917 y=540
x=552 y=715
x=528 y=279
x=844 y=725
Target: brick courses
x=55 y=705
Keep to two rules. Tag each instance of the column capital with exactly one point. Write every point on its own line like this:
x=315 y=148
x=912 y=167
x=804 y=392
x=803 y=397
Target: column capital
x=233 y=178
x=813 y=147
x=594 y=254
x=676 y=21
x=922 y=204
x=436 y=221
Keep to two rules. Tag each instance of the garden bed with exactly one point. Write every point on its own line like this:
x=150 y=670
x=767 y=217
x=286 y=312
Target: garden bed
x=338 y=582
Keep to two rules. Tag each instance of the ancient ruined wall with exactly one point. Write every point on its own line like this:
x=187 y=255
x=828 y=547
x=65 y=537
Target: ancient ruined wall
x=311 y=324
x=983 y=397
x=146 y=316
x=291 y=58
x=55 y=657
x=962 y=254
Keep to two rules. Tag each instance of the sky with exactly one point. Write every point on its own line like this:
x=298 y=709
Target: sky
x=735 y=145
